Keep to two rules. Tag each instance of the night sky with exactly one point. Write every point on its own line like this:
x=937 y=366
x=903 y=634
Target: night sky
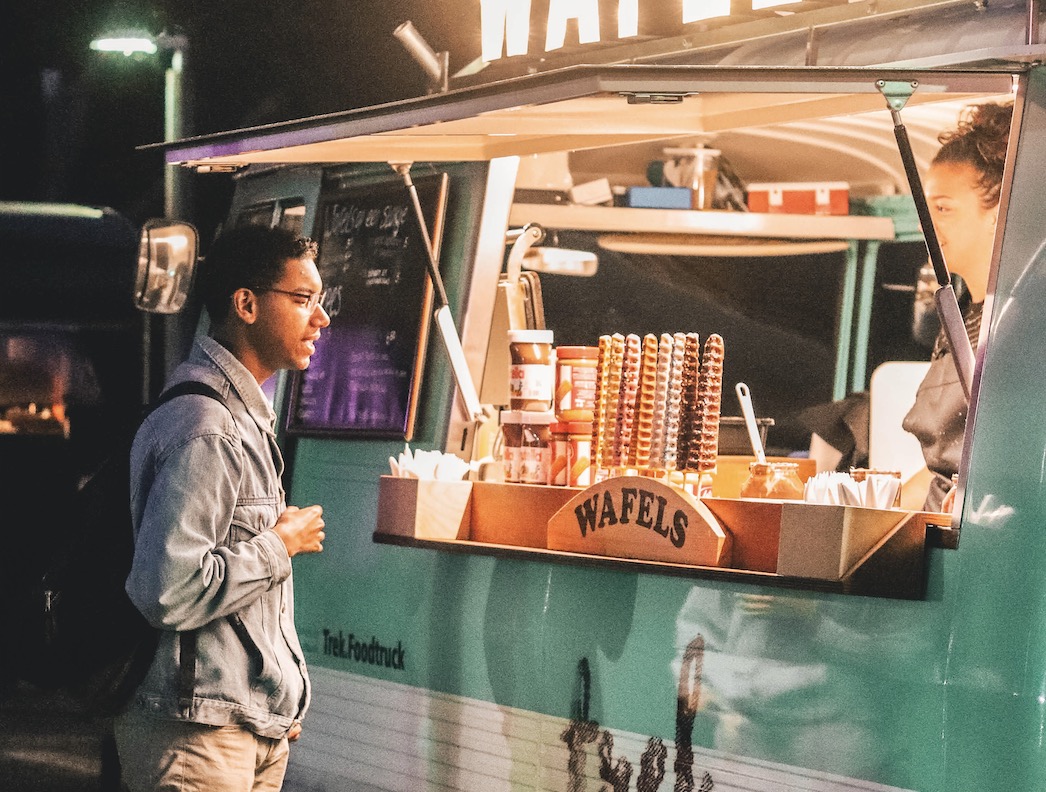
x=72 y=118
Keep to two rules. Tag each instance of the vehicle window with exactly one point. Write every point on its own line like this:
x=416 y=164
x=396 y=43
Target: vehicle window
x=288 y=214
x=41 y=374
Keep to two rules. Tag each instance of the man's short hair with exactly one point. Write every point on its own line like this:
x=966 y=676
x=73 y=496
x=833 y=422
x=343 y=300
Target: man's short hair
x=250 y=256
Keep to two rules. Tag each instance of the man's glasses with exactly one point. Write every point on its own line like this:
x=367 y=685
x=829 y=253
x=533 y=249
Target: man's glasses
x=308 y=300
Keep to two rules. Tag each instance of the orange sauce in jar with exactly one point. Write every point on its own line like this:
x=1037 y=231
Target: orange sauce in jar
x=576 y=382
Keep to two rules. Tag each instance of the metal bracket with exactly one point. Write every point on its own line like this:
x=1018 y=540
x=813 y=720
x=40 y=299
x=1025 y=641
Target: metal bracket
x=639 y=97
x=897 y=93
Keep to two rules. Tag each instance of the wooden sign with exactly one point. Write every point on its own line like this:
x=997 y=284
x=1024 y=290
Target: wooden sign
x=639 y=517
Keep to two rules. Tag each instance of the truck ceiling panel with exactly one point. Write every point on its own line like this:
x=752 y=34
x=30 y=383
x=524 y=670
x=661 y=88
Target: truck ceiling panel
x=578 y=108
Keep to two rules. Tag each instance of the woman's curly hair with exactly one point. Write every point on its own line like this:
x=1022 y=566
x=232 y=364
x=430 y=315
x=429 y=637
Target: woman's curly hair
x=980 y=142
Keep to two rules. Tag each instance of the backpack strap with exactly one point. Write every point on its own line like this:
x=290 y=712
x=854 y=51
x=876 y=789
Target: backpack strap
x=187 y=639
x=189 y=387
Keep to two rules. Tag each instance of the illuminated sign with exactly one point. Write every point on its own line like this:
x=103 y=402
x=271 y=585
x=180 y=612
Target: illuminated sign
x=505 y=25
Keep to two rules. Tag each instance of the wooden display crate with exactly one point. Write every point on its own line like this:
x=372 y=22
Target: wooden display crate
x=869 y=550
x=515 y=514
x=492 y=513
x=424 y=509
x=807 y=540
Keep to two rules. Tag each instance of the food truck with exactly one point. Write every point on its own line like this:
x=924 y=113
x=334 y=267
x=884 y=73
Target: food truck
x=649 y=628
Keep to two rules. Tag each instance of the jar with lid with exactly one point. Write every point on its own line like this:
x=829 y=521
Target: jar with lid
x=785 y=483
x=535 y=451
x=531 y=373
x=571 y=454
x=512 y=435
x=779 y=480
x=863 y=474
x=579 y=453
x=576 y=382
x=558 y=473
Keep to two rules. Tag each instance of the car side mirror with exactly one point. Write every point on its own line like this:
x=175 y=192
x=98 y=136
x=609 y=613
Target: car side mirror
x=167 y=253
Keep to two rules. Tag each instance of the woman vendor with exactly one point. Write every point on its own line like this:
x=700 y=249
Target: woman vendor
x=962 y=189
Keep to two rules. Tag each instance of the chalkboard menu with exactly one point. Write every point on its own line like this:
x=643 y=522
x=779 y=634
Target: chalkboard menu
x=365 y=376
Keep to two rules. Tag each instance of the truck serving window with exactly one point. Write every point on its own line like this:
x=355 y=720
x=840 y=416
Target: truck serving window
x=808 y=260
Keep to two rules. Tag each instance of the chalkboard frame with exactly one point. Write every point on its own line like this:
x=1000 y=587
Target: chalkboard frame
x=414 y=315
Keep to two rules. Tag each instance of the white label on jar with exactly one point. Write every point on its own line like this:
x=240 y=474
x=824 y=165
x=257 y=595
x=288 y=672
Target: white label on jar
x=511 y=459
x=578 y=457
x=577 y=387
x=560 y=464
x=531 y=382
x=534 y=464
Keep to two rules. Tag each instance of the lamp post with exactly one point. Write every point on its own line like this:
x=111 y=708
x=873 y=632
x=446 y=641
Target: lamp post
x=175 y=204
x=139 y=44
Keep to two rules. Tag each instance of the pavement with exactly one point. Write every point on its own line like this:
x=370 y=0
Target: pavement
x=47 y=746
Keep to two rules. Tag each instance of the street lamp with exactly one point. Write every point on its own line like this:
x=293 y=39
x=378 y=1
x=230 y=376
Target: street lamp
x=136 y=43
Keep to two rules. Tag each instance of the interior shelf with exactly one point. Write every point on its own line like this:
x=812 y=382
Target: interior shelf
x=681 y=221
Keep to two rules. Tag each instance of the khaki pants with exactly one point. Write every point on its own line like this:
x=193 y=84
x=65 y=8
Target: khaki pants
x=174 y=756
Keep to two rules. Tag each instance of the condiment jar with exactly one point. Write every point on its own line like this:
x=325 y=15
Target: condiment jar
x=757 y=485
x=576 y=382
x=512 y=433
x=579 y=453
x=860 y=474
x=531 y=374
x=571 y=454
x=535 y=461
x=779 y=480
x=558 y=474
x=785 y=483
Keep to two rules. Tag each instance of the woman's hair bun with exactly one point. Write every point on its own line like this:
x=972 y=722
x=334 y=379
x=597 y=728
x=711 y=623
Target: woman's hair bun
x=980 y=141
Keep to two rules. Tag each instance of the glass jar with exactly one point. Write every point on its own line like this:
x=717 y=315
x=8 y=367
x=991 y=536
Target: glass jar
x=558 y=474
x=778 y=480
x=861 y=474
x=576 y=382
x=512 y=433
x=531 y=373
x=579 y=453
x=757 y=485
x=571 y=454
x=785 y=483
x=535 y=451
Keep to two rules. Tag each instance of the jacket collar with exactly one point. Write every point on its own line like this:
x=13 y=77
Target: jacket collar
x=209 y=353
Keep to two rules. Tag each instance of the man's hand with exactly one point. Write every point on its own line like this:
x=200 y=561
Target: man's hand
x=301 y=529
x=294 y=732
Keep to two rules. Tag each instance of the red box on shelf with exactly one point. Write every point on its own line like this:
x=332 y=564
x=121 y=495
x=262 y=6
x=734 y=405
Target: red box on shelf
x=820 y=198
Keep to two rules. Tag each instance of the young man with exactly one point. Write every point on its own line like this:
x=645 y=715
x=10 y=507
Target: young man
x=214 y=539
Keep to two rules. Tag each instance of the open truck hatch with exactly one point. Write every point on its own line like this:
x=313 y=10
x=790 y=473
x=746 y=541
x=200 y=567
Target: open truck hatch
x=592 y=107
x=772 y=124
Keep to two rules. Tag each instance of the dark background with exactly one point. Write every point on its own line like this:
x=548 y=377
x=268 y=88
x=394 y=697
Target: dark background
x=72 y=118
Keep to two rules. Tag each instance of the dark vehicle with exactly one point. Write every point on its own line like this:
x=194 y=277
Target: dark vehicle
x=77 y=361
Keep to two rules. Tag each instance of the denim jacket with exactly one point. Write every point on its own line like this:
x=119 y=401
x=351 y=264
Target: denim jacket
x=205 y=493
